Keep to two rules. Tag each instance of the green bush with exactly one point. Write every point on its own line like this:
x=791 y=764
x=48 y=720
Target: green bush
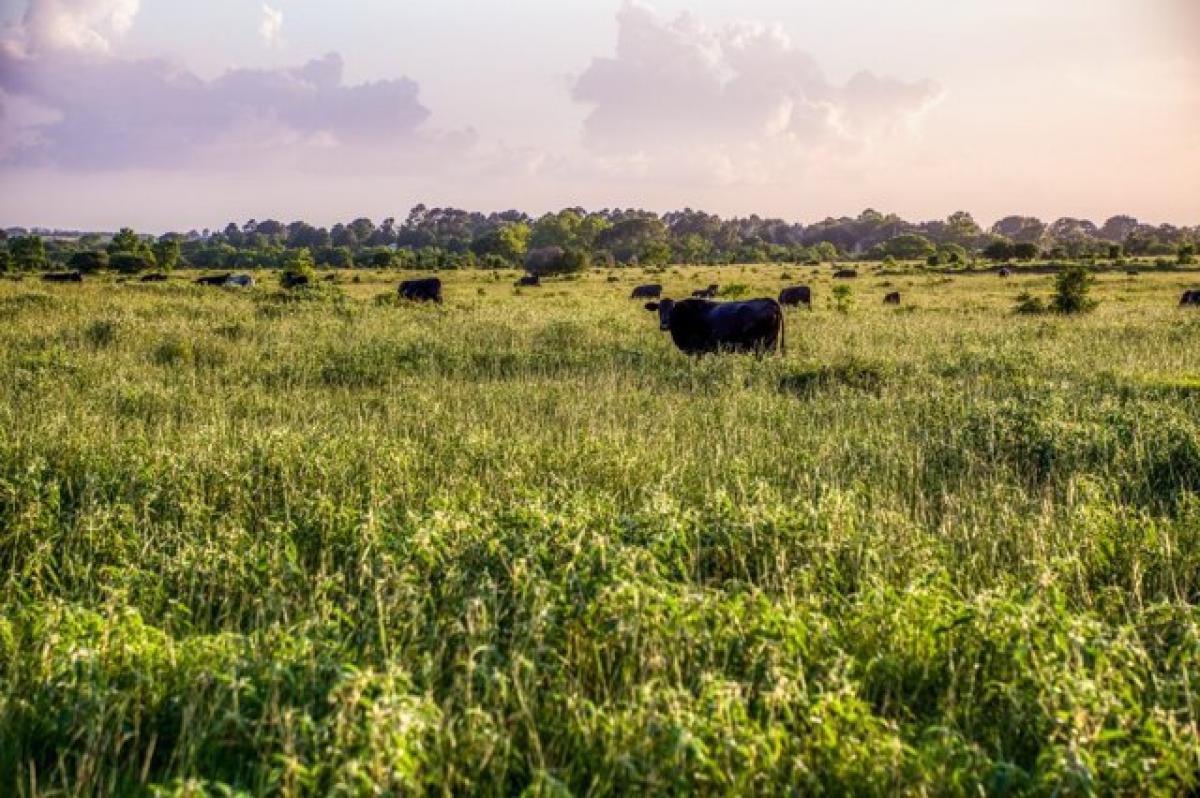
x=1072 y=287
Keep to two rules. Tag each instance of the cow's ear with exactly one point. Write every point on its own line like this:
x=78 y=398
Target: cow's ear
x=651 y=306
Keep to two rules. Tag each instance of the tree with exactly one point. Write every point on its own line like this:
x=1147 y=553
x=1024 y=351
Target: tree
x=509 y=241
x=1071 y=287
x=1025 y=250
x=6 y=261
x=130 y=262
x=28 y=253
x=998 y=250
x=909 y=246
x=298 y=268
x=825 y=251
x=1186 y=255
x=88 y=261
x=166 y=253
x=555 y=260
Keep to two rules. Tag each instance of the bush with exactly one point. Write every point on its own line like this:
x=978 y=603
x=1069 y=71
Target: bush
x=88 y=262
x=1071 y=288
x=1028 y=303
x=1187 y=255
x=556 y=260
x=129 y=262
x=733 y=290
x=843 y=298
x=298 y=269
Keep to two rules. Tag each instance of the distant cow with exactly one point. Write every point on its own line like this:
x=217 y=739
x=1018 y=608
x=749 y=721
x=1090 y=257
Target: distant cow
x=796 y=295
x=892 y=299
x=1005 y=272
x=651 y=291
x=289 y=280
x=1190 y=297
x=529 y=279
x=214 y=279
x=428 y=289
x=845 y=274
x=698 y=326
x=63 y=277
x=706 y=293
x=240 y=281
x=154 y=277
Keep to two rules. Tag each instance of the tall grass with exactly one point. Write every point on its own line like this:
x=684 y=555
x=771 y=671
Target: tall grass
x=339 y=546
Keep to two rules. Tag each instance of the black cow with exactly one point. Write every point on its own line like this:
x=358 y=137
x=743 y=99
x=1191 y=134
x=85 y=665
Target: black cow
x=1190 y=298
x=63 y=277
x=845 y=274
x=892 y=299
x=706 y=293
x=154 y=277
x=215 y=279
x=651 y=291
x=287 y=280
x=796 y=295
x=698 y=326
x=428 y=289
x=1005 y=272
x=529 y=279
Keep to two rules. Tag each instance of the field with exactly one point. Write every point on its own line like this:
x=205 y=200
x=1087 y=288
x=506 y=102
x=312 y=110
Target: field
x=336 y=545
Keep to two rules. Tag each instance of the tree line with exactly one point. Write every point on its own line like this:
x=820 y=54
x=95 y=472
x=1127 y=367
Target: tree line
x=573 y=238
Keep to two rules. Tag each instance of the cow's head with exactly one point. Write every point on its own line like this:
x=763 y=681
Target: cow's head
x=664 y=308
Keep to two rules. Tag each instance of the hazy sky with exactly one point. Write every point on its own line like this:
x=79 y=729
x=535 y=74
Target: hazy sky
x=172 y=114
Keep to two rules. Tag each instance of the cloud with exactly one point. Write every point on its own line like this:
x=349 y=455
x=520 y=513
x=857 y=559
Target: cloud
x=272 y=23
x=78 y=25
x=735 y=102
x=66 y=101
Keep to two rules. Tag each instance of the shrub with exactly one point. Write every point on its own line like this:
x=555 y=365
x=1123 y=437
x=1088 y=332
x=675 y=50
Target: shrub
x=1028 y=303
x=1187 y=255
x=298 y=269
x=129 y=262
x=733 y=290
x=88 y=261
x=1071 y=288
x=843 y=298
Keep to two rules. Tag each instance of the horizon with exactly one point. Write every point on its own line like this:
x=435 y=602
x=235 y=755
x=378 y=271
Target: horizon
x=800 y=111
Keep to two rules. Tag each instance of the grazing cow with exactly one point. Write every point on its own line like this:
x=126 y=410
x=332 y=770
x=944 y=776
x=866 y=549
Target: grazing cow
x=796 y=295
x=529 y=279
x=240 y=281
x=63 y=277
x=1005 y=272
x=845 y=274
x=651 y=291
x=215 y=279
x=1190 y=298
x=154 y=277
x=892 y=299
x=698 y=326
x=428 y=289
x=706 y=293
x=293 y=280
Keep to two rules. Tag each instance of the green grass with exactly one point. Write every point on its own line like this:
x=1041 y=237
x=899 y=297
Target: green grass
x=337 y=545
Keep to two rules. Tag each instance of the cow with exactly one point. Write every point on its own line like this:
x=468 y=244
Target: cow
x=213 y=279
x=706 y=293
x=240 y=281
x=63 y=277
x=845 y=274
x=1190 y=298
x=651 y=291
x=796 y=295
x=154 y=277
x=291 y=280
x=892 y=299
x=428 y=289
x=528 y=280
x=1005 y=272
x=700 y=326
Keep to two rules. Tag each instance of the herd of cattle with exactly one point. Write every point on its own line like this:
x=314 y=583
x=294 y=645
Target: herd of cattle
x=697 y=325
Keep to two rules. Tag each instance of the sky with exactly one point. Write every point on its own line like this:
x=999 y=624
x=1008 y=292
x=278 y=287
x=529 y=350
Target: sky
x=175 y=114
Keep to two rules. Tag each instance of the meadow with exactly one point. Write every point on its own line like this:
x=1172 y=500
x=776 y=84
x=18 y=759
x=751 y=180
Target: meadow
x=327 y=543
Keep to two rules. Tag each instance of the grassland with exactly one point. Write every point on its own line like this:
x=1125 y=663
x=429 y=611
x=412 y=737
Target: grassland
x=336 y=545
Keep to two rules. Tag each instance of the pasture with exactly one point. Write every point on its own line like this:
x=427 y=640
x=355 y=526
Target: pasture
x=337 y=544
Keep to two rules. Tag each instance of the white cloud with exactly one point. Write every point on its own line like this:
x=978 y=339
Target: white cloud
x=73 y=25
x=740 y=103
x=271 y=25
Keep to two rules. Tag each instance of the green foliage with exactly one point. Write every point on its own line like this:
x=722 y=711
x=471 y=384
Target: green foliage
x=130 y=262
x=297 y=269
x=909 y=246
x=88 y=261
x=843 y=298
x=1072 y=287
x=999 y=250
x=266 y=544
x=1186 y=255
x=1024 y=250
x=6 y=260
x=1029 y=304
x=28 y=253
x=166 y=253
x=733 y=290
